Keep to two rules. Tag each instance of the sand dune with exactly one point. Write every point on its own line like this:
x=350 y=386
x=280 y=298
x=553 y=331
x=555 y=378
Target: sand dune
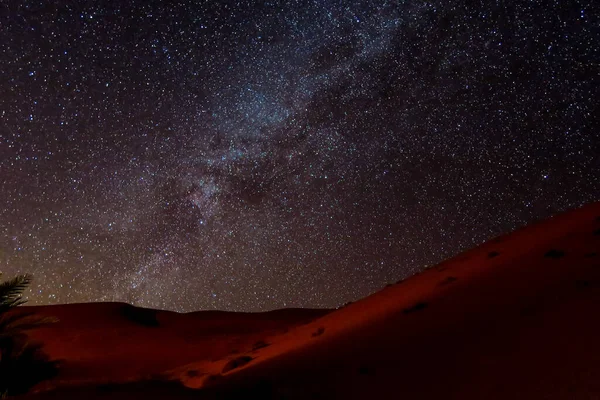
x=513 y=318
x=116 y=342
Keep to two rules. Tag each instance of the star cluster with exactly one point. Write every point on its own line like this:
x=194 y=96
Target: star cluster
x=248 y=156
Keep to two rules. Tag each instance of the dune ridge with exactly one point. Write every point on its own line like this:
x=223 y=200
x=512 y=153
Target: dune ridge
x=512 y=318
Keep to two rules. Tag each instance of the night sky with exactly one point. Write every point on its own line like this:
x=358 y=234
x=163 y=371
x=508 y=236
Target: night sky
x=249 y=156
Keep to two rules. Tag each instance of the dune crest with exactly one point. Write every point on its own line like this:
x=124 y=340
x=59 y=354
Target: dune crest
x=512 y=318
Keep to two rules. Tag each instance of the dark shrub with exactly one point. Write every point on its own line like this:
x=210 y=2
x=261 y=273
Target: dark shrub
x=417 y=307
x=447 y=281
x=23 y=365
x=236 y=363
x=192 y=373
x=318 y=332
x=259 y=345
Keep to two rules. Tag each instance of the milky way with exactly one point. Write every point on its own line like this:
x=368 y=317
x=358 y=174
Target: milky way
x=240 y=156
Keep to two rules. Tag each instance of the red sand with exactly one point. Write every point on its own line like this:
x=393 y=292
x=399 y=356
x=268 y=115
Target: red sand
x=514 y=318
x=105 y=342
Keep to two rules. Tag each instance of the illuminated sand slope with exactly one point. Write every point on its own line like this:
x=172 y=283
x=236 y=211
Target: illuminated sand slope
x=112 y=343
x=514 y=318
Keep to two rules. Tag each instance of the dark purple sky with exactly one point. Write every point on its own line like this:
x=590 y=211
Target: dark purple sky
x=251 y=156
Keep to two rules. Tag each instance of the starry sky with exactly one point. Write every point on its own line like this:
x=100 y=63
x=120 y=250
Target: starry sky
x=248 y=156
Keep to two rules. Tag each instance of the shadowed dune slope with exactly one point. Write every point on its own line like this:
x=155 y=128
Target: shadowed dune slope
x=513 y=318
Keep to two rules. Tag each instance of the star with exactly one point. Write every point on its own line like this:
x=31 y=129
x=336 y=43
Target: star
x=249 y=157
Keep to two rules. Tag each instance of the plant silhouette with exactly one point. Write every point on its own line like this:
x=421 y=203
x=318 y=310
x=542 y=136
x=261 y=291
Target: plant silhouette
x=22 y=364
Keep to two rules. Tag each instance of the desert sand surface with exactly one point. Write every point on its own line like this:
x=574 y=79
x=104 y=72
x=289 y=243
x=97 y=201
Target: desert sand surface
x=112 y=343
x=515 y=318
